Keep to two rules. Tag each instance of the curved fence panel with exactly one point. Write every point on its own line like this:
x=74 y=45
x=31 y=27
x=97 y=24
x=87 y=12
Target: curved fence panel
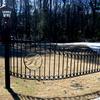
x=47 y=61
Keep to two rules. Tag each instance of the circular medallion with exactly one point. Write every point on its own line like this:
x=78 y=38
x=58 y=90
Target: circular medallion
x=33 y=61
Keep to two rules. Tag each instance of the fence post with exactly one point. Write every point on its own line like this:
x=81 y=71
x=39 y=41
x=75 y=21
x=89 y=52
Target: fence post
x=7 y=67
x=7 y=56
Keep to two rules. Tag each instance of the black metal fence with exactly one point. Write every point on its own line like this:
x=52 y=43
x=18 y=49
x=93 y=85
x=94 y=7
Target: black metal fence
x=37 y=28
x=45 y=61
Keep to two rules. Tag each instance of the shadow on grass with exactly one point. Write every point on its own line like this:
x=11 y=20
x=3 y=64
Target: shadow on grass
x=81 y=97
x=13 y=94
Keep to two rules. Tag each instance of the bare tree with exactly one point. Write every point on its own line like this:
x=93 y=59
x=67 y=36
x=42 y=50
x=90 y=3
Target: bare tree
x=93 y=4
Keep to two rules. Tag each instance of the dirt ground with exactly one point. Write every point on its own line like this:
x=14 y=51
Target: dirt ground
x=84 y=87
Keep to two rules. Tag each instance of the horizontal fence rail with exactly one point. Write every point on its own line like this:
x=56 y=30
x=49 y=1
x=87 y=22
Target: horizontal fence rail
x=48 y=61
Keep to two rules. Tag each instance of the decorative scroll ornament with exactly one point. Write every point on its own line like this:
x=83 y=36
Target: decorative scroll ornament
x=33 y=61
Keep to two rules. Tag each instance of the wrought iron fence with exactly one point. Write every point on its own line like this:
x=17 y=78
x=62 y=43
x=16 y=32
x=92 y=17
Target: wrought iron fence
x=47 y=61
x=37 y=28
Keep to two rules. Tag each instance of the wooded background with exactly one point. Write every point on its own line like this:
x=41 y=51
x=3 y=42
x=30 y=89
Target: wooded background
x=56 y=20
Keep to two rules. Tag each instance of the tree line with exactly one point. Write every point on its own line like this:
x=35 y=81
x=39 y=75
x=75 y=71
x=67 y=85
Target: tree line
x=56 y=20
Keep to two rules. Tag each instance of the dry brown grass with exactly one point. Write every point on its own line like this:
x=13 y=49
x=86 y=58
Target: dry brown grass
x=58 y=88
x=72 y=87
